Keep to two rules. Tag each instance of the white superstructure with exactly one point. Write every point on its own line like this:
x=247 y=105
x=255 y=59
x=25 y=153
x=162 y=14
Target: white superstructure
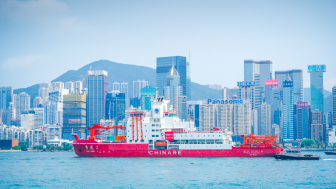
x=161 y=124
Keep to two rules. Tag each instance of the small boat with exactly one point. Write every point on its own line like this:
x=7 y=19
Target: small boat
x=330 y=153
x=296 y=155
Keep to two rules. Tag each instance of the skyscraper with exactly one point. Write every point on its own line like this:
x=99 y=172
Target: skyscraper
x=74 y=116
x=37 y=102
x=116 y=86
x=6 y=94
x=273 y=97
x=288 y=110
x=115 y=106
x=227 y=94
x=137 y=86
x=265 y=126
x=78 y=87
x=259 y=72
x=333 y=106
x=172 y=89
x=148 y=94
x=297 y=78
x=303 y=120
x=22 y=103
x=70 y=86
x=163 y=66
x=96 y=97
x=316 y=87
x=124 y=89
x=317 y=127
x=246 y=92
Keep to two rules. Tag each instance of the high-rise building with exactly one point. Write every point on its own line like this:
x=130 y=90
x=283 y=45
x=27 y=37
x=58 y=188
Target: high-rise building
x=259 y=72
x=115 y=106
x=303 y=120
x=246 y=92
x=288 y=110
x=74 y=116
x=96 y=97
x=163 y=67
x=70 y=86
x=22 y=103
x=333 y=105
x=11 y=113
x=116 y=86
x=296 y=76
x=148 y=94
x=137 y=86
x=242 y=119
x=37 y=101
x=273 y=97
x=172 y=89
x=124 y=89
x=57 y=86
x=44 y=90
x=317 y=127
x=265 y=125
x=316 y=86
x=6 y=95
x=78 y=87
x=191 y=108
x=227 y=94
x=206 y=117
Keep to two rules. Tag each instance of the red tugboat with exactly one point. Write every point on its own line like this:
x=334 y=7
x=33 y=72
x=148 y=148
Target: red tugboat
x=160 y=133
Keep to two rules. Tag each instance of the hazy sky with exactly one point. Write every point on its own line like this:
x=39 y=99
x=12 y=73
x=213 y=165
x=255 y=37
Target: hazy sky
x=42 y=39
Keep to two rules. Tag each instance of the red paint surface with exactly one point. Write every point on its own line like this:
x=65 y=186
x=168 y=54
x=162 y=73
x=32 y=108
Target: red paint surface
x=94 y=149
x=169 y=136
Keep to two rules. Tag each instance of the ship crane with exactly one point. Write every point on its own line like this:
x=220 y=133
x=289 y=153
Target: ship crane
x=252 y=140
x=95 y=130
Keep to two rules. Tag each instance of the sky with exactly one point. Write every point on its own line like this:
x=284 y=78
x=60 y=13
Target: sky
x=42 y=39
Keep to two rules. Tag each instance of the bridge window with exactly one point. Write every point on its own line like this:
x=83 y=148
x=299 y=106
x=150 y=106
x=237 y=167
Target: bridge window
x=201 y=141
x=184 y=141
x=219 y=141
x=150 y=141
x=192 y=141
x=210 y=141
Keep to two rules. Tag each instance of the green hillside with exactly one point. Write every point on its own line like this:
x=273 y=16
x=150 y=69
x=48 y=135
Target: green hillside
x=118 y=72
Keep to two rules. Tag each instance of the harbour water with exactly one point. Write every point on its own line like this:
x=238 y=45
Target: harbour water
x=66 y=170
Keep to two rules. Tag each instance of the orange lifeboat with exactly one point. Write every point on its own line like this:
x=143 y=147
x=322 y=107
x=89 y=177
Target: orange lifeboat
x=163 y=143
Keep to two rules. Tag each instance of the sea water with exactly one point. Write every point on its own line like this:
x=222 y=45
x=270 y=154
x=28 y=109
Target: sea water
x=67 y=170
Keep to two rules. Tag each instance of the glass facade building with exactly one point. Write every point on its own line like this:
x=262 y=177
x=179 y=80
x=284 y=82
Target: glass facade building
x=273 y=98
x=96 y=96
x=74 y=116
x=288 y=110
x=296 y=76
x=6 y=94
x=163 y=66
x=333 y=106
x=259 y=72
x=115 y=106
x=317 y=91
x=148 y=93
x=303 y=121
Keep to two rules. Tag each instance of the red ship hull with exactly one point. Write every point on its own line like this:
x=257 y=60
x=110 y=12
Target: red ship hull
x=91 y=148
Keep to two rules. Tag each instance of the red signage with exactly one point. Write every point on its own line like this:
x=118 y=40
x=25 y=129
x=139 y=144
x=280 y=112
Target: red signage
x=272 y=82
x=301 y=104
x=169 y=136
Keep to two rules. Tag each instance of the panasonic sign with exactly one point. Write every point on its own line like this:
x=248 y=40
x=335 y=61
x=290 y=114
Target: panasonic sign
x=211 y=101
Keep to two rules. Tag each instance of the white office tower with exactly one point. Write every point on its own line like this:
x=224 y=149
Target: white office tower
x=54 y=107
x=137 y=86
x=37 y=102
x=44 y=91
x=78 y=87
x=11 y=113
x=265 y=120
x=124 y=89
x=255 y=122
x=70 y=86
x=38 y=117
x=207 y=117
x=27 y=120
x=22 y=103
x=235 y=117
x=116 y=86
x=227 y=94
x=57 y=85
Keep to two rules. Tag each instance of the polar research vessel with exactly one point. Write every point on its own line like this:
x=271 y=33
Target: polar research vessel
x=160 y=133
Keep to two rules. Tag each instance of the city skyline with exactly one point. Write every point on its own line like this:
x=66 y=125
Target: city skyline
x=203 y=38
